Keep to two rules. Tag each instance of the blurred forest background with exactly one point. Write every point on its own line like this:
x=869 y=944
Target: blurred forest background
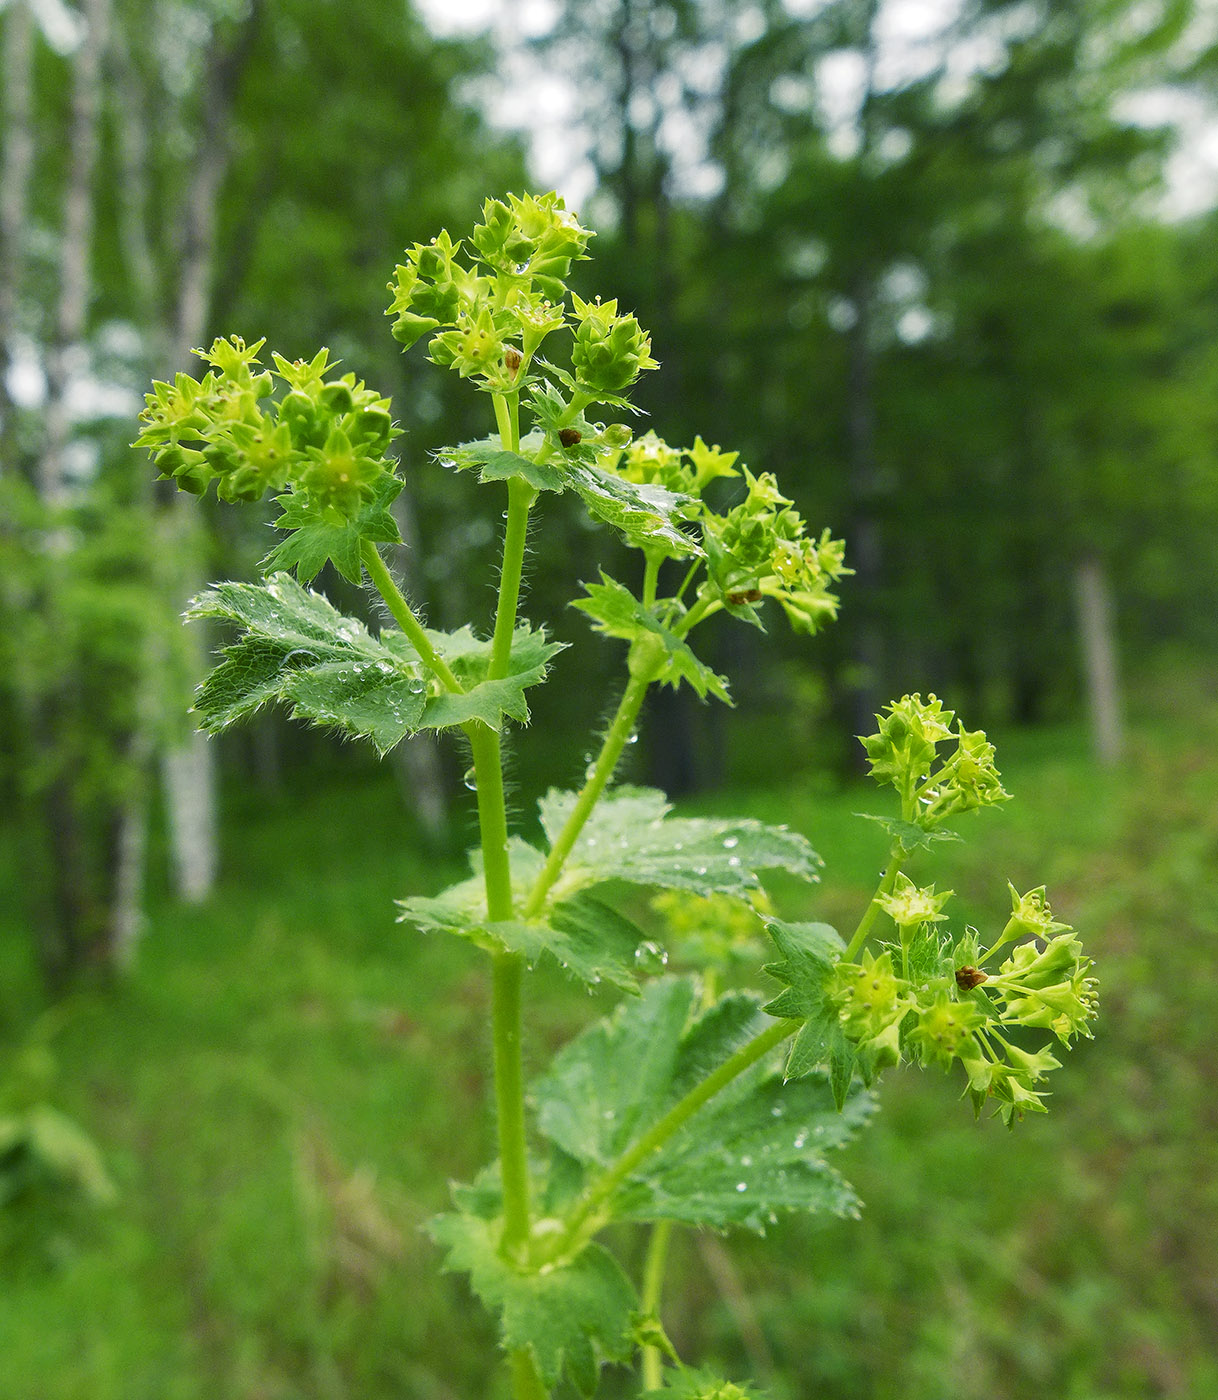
x=950 y=269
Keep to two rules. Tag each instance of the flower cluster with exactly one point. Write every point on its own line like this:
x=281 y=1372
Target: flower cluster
x=489 y=318
x=905 y=752
x=324 y=437
x=761 y=549
x=943 y=1005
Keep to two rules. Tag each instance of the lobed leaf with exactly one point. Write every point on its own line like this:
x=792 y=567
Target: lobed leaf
x=320 y=536
x=809 y=954
x=589 y=939
x=756 y=1150
x=630 y=836
x=298 y=649
x=572 y=1317
x=647 y=516
x=618 y=613
x=686 y=1384
x=494 y=463
x=908 y=836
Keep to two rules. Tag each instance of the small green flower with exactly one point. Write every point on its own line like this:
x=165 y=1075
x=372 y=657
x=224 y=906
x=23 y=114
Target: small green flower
x=909 y=907
x=869 y=995
x=610 y=350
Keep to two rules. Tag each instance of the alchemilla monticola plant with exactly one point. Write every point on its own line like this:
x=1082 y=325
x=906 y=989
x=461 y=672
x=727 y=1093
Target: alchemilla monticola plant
x=688 y=1105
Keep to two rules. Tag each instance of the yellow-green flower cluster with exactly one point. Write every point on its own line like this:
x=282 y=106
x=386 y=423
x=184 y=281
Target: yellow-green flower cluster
x=945 y=1006
x=905 y=752
x=761 y=549
x=491 y=312
x=325 y=437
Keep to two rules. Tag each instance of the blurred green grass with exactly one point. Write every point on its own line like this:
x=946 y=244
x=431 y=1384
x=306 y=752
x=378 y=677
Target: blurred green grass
x=287 y=1083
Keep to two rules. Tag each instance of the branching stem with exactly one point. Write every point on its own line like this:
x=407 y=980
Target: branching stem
x=653 y=1287
x=616 y=739
x=403 y=615
x=887 y=881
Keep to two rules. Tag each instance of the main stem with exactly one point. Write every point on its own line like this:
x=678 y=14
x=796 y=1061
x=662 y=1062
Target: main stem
x=653 y=1286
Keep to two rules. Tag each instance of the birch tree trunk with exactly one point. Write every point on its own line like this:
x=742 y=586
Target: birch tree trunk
x=188 y=769
x=77 y=245
x=1097 y=639
x=16 y=162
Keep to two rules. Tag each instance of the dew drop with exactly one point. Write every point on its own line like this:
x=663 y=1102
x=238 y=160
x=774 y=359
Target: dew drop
x=633 y=739
x=746 y=1161
x=742 y=1186
x=650 y=957
x=776 y=1111
x=470 y=779
x=734 y=862
x=305 y=657
x=801 y=1141
x=699 y=869
x=730 y=841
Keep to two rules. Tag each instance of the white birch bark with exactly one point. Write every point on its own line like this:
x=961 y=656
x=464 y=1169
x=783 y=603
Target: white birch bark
x=76 y=245
x=1101 y=672
x=16 y=163
x=188 y=768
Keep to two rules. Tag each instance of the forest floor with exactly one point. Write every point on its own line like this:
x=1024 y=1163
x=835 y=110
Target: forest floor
x=286 y=1085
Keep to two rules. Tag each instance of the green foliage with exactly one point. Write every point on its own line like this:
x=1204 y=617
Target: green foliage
x=674 y=1108
x=687 y=1384
x=756 y=1153
x=296 y=648
x=573 y=1317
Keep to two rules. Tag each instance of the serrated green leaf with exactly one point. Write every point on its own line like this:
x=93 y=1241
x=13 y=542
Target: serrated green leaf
x=319 y=538
x=617 y=1079
x=754 y=1153
x=493 y=463
x=298 y=649
x=589 y=939
x=809 y=954
x=646 y=516
x=572 y=1317
x=685 y=1384
x=469 y=657
x=908 y=836
x=630 y=836
x=616 y=612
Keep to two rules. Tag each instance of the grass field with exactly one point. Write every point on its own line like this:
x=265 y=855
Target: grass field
x=286 y=1085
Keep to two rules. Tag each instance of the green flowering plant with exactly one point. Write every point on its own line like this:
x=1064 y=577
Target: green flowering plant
x=678 y=1108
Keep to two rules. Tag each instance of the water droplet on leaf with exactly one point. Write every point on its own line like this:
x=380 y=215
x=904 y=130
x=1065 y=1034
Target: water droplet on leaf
x=470 y=779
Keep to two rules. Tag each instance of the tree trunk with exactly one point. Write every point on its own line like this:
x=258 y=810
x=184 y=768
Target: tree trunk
x=78 y=219
x=1097 y=639
x=188 y=767
x=16 y=161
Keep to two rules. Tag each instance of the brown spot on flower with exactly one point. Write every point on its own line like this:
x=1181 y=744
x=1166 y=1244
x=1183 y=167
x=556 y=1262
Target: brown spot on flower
x=570 y=436
x=969 y=977
x=747 y=595
x=512 y=358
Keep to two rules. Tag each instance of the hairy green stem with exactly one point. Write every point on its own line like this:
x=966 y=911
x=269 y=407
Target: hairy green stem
x=651 y=575
x=616 y=739
x=505 y=423
x=405 y=618
x=887 y=881
x=603 y=1188
x=520 y=498
x=653 y=1287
